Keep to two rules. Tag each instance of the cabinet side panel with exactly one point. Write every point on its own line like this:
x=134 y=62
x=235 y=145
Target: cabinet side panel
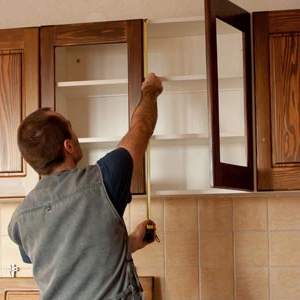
x=285 y=98
x=10 y=112
x=135 y=77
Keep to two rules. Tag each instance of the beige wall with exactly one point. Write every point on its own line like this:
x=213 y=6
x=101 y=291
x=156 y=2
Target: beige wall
x=221 y=247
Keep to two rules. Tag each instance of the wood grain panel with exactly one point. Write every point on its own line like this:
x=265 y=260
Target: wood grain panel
x=10 y=112
x=90 y=33
x=285 y=98
x=22 y=295
x=277 y=81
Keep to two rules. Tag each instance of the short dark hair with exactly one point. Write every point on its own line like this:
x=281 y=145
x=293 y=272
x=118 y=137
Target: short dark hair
x=41 y=139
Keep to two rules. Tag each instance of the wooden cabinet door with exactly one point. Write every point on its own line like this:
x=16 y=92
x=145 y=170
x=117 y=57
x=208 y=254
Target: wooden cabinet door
x=19 y=94
x=26 y=289
x=277 y=85
x=129 y=32
x=22 y=295
x=224 y=174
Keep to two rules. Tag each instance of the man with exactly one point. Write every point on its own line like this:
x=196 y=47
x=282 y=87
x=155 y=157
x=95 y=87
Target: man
x=70 y=225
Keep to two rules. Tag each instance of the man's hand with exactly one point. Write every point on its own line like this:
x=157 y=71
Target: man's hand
x=152 y=85
x=136 y=238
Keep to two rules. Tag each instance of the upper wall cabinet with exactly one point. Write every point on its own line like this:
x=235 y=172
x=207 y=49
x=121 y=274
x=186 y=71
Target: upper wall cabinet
x=92 y=74
x=277 y=85
x=19 y=93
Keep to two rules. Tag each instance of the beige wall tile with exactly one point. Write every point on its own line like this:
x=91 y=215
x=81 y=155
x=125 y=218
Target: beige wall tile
x=216 y=249
x=250 y=213
x=151 y=255
x=11 y=255
x=138 y=212
x=216 y=284
x=284 y=283
x=182 y=248
x=6 y=212
x=284 y=248
x=159 y=279
x=251 y=248
x=181 y=213
x=252 y=283
x=126 y=217
x=23 y=272
x=284 y=213
x=182 y=283
x=215 y=214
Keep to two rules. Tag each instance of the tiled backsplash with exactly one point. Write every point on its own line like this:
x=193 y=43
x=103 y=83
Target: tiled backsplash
x=223 y=247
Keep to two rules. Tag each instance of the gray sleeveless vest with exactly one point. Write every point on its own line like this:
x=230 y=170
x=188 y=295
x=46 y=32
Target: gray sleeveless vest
x=76 y=240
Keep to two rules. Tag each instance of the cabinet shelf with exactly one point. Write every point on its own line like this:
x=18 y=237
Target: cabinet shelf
x=163 y=138
x=91 y=82
x=195 y=192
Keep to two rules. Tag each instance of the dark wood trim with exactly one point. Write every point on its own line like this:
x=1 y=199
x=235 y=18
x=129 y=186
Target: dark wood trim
x=47 y=70
x=135 y=78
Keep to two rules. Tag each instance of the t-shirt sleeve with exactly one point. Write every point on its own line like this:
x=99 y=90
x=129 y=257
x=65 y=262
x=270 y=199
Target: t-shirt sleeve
x=116 y=168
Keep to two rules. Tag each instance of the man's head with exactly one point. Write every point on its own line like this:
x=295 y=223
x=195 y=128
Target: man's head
x=46 y=139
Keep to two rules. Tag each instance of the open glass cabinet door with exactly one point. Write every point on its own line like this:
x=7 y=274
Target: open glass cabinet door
x=228 y=56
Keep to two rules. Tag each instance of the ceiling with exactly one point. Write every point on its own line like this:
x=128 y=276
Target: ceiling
x=20 y=13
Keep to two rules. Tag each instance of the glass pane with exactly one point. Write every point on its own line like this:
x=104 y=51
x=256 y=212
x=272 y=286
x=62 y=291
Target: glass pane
x=233 y=138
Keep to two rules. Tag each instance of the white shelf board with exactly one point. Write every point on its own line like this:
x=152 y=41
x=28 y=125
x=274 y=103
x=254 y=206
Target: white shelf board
x=91 y=82
x=195 y=192
x=160 y=138
x=99 y=140
x=183 y=77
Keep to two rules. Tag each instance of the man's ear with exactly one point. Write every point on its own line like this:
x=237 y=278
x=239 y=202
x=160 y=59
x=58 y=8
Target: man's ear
x=68 y=146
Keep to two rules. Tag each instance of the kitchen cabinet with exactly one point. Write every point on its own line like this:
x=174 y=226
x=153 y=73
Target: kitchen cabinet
x=25 y=288
x=92 y=74
x=19 y=95
x=277 y=85
x=276 y=54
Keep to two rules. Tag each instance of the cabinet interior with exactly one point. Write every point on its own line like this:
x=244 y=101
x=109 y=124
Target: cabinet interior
x=91 y=91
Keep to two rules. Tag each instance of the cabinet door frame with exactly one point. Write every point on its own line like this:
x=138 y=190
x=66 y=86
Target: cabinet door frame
x=23 y=42
x=128 y=31
x=270 y=175
x=226 y=175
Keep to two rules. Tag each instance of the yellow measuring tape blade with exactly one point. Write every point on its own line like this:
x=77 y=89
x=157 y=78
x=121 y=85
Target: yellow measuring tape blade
x=148 y=174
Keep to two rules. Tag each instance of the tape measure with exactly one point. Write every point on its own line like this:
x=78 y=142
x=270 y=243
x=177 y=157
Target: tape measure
x=150 y=235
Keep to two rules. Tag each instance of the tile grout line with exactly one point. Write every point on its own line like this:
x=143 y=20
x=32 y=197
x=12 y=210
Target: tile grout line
x=164 y=245
x=199 y=248
x=233 y=249
x=268 y=228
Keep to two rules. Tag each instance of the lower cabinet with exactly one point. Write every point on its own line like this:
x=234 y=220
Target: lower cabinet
x=26 y=289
